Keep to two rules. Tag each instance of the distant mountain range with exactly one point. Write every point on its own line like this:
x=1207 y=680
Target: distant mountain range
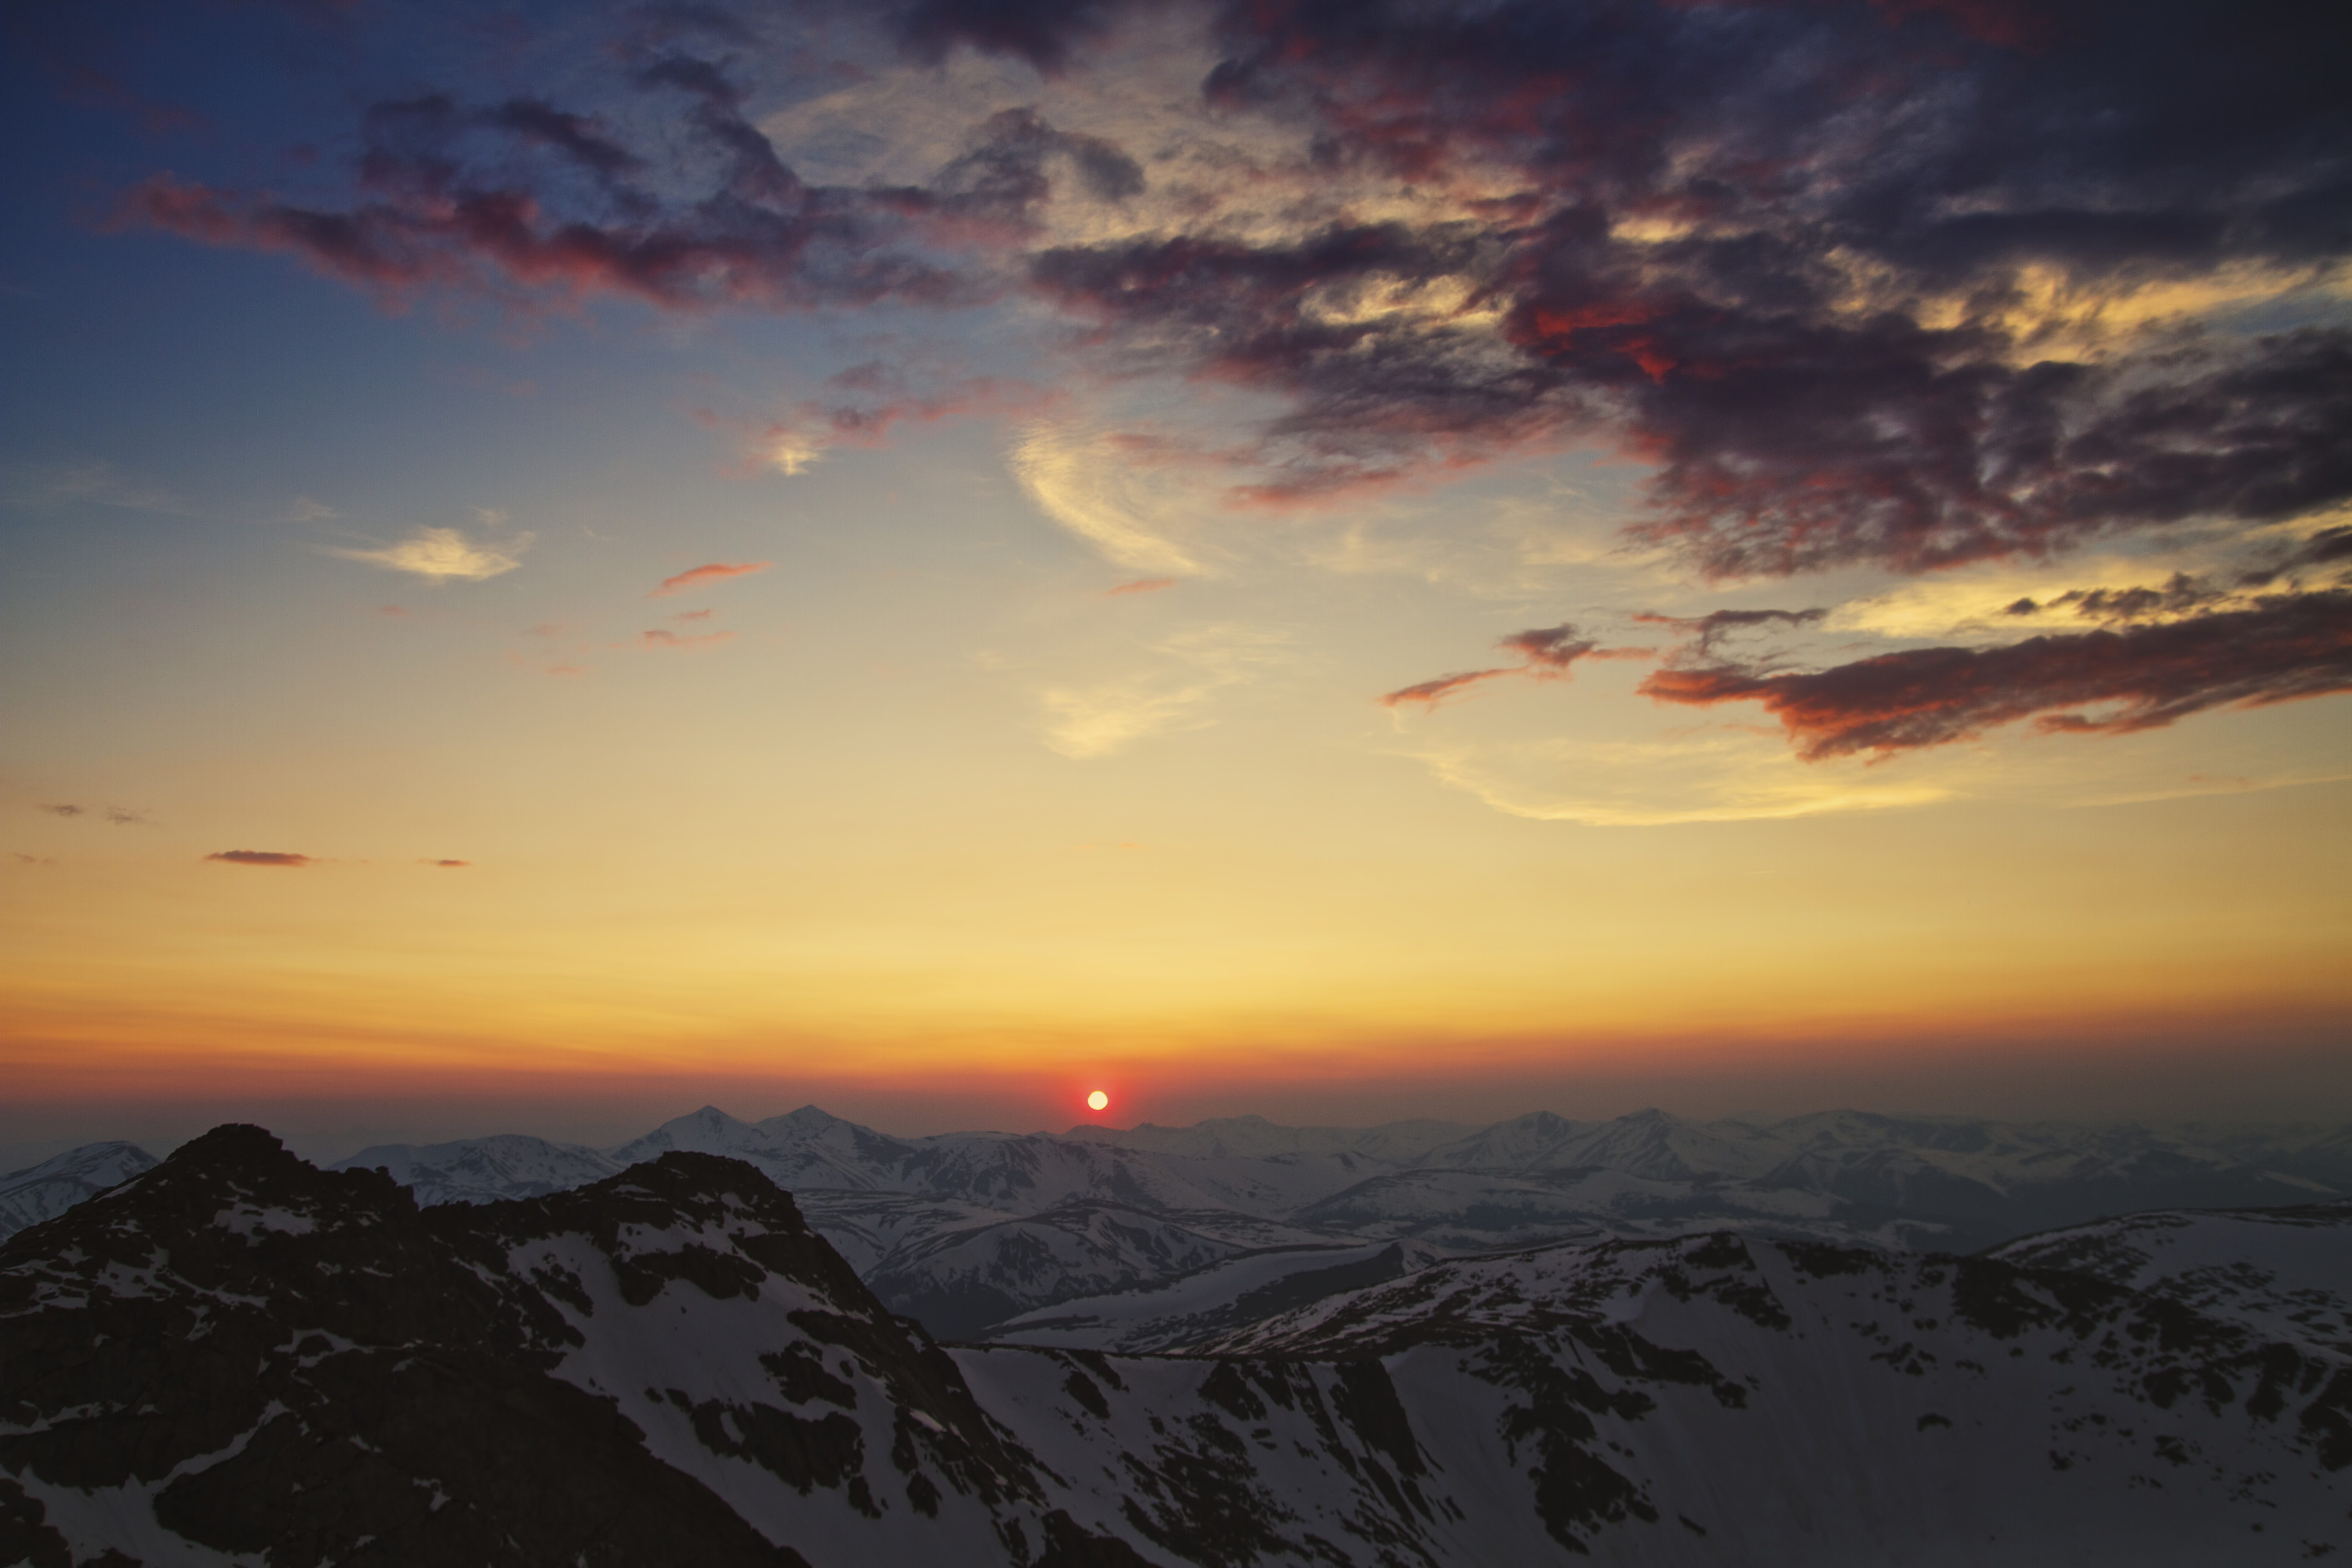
x=235 y=1357
x=1102 y=1239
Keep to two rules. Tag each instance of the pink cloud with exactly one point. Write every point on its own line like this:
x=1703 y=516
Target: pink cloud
x=1140 y=586
x=717 y=572
x=659 y=638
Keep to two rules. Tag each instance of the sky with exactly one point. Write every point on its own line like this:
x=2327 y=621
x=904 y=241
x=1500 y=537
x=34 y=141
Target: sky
x=1340 y=561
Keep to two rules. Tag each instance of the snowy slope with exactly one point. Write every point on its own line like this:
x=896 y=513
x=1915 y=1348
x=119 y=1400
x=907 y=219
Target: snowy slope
x=46 y=1190
x=2286 y=1273
x=484 y=1170
x=973 y=1227
x=235 y=1355
x=1797 y=1402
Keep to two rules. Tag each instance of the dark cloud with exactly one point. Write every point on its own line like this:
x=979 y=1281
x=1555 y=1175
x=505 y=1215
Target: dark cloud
x=123 y=818
x=525 y=200
x=2178 y=597
x=1546 y=653
x=1833 y=271
x=2328 y=547
x=1705 y=631
x=1894 y=446
x=261 y=857
x=2283 y=648
x=993 y=190
x=1814 y=178
x=1042 y=32
x=61 y=808
x=447 y=865
x=1549 y=648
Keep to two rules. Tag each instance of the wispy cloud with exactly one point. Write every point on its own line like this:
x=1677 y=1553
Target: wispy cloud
x=1198 y=665
x=100 y=484
x=261 y=857
x=660 y=638
x=701 y=576
x=1140 y=586
x=447 y=864
x=118 y=815
x=304 y=510
x=444 y=555
x=1546 y=653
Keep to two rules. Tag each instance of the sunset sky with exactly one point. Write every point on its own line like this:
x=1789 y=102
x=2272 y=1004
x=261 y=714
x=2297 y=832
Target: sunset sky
x=1337 y=560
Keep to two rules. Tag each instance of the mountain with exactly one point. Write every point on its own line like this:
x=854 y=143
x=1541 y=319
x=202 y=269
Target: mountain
x=46 y=1190
x=484 y=1170
x=235 y=1355
x=971 y=1230
x=1256 y=1138
x=974 y=1230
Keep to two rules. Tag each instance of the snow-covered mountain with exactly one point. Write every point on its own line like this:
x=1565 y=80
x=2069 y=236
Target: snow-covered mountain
x=974 y=1230
x=46 y=1190
x=236 y=1356
x=484 y=1170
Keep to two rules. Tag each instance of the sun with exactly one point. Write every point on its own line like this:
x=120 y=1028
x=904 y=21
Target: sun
x=1097 y=1100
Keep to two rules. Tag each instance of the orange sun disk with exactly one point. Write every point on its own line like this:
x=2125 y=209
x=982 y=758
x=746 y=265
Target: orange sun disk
x=1097 y=1100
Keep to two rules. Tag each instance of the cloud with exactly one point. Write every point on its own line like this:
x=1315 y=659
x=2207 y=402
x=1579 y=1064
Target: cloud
x=447 y=865
x=444 y=555
x=1546 y=653
x=1198 y=665
x=1707 y=630
x=1903 y=286
x=1430 y=693
x=261 y=857
x=716 y=572
x=61 y=808
x=1140 y=586
x=660 y=639
x=24 y=859
x=1130 y=499
x=121 y=817
x=2286 y=647
x=868 y=403
x=304 y=510
x=539 y=205
x=102 y=484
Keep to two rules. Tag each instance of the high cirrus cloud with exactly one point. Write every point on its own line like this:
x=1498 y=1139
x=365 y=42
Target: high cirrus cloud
x=2143 y=677
x=701 y=577
x=445 y=555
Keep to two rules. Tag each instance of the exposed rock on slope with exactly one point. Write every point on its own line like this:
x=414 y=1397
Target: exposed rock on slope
x=235 y=1358
x=240 y=1351
x=980 y=1231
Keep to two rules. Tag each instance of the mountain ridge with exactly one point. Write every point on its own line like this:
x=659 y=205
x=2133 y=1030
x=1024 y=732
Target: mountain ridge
x=236 y=1353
